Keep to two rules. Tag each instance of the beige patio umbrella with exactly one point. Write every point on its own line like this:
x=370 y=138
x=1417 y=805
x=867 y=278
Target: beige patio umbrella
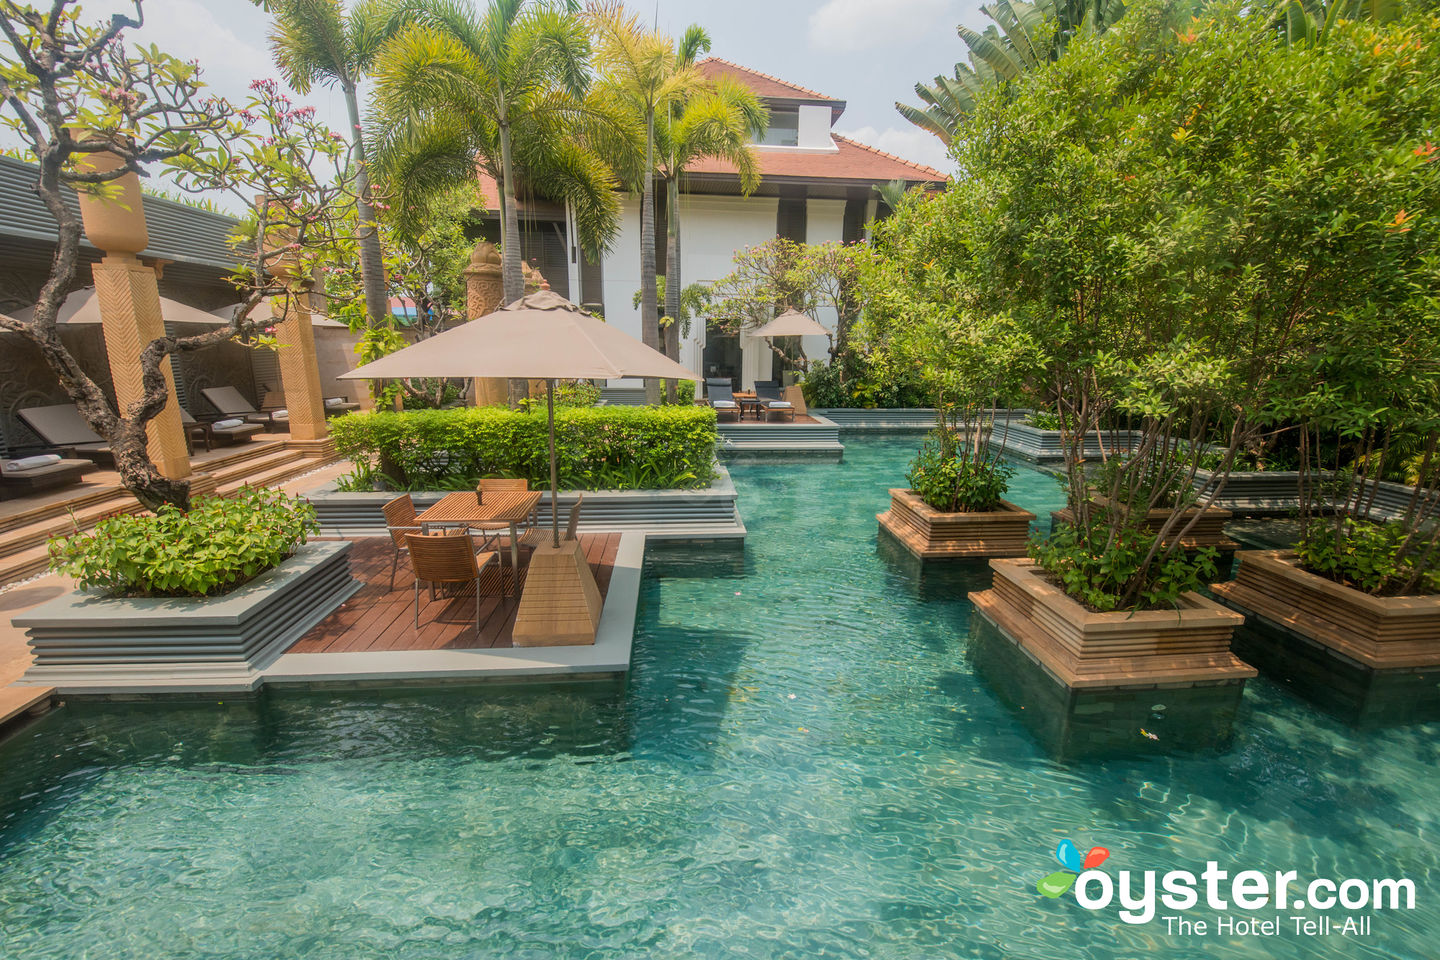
x=543 y=337
x=83 y=306
x=792 y=323
x=316 y=319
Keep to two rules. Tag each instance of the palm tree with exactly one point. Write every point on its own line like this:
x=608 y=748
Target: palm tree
x=643 y=73
x=504 y=92
x=1023 y=37
x=318 y=42
x=721 y=120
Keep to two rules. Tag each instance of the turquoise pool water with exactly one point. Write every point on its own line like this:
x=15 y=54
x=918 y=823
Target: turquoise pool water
x=802 y=765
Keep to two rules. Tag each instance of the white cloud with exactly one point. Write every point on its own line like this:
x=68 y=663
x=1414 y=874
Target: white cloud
x=910 y=143
x=844 y=26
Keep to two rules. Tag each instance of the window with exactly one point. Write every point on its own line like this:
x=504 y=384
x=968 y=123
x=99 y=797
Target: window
x=784 y=129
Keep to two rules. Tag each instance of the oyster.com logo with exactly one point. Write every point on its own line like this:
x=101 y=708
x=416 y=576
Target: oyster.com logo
x=1319 y=907
x=1057 y=883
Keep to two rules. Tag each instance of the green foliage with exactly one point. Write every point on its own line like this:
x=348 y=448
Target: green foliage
x=947 y=478
x=859 y=380
x=1105 y=579
x=1368 y=556
x=1045 y=420
x=694 y=301
x=221 y=543
x=1204 y=231
x=568 y=393
x=597 y=448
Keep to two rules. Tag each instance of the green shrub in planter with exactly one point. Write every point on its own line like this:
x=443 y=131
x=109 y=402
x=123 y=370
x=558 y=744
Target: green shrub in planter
x=219 y=545
x=1100 y=580
x=955 y=478
x=1369 y=556
x=597 y=448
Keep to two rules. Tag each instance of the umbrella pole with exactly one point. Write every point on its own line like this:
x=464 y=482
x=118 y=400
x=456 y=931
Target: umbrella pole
x=554 y=481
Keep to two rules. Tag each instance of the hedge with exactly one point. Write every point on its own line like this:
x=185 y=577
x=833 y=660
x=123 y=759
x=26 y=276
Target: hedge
x=597 y=448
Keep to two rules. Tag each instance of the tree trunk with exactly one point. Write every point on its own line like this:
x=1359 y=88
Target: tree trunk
x=649 y=308
x=511 y=277
x=673 y=282
x=372 y=259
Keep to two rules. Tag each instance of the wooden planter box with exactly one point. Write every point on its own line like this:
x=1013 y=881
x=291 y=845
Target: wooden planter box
x=87 y=643
x=931 y=534
x=1209 y=531
x=1370 y=660
x=1089 y=682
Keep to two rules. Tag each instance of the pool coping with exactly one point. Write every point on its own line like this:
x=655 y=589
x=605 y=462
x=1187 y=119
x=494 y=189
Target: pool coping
x=608 y=657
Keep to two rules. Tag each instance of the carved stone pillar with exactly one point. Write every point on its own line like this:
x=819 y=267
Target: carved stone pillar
x=299 y=370
x=129 y=301
x=484 y=289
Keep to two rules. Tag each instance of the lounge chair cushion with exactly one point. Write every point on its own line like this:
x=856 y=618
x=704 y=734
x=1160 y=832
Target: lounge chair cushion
x=723 y=404
x=334 y=401
x=33 y=463
x=226 y=424
x=779 y=404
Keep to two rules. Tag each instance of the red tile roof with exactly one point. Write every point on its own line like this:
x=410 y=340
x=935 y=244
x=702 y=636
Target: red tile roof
x=853 y=161
x=763 y=84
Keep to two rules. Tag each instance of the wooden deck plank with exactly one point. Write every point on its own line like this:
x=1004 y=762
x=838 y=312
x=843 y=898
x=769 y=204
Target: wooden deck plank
x=378 y=618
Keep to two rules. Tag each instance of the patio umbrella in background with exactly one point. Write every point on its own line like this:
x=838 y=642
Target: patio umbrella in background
x=316 y=319
x=543 y=337
x=792 y=323
x=83 y=306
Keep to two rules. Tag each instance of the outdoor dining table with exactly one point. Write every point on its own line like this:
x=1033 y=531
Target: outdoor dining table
x=498 y=506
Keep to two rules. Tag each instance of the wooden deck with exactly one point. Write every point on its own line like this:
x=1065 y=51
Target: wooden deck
x=378 y=618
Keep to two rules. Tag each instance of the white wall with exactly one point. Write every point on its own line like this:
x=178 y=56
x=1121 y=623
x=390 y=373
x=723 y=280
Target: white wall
x=712 y=231
x=814 y=129
x=621 y=270
x=824 y=223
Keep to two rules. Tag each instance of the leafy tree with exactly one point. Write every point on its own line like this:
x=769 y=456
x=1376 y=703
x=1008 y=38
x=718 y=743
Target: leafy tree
x=1188 y=216
x=505 y=92
x=319 y=42
x=71 y=90
x=644 y=74
x=721 y=119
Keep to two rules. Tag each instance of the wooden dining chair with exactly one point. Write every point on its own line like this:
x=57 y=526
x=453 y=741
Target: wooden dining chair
x=444 y=558
x=506 y=485
x=539 y=535
x=399 y=523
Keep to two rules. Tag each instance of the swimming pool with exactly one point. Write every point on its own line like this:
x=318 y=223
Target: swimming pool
x=801 y=765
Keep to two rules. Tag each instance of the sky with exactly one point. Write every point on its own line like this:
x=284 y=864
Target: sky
x=869 y=53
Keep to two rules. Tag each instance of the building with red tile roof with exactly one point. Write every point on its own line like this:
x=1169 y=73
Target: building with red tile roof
x=815 y=186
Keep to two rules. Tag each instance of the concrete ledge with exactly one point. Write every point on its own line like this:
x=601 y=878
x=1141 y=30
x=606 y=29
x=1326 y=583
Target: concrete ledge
x=87 y=644
x=609 y=656
x=894 y=419
x=781 y=441
x=708 y=514
x=1044 y=446
x=1262 y=493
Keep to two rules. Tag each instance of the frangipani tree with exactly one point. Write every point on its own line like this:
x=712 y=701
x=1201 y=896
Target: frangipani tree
x=73 y=91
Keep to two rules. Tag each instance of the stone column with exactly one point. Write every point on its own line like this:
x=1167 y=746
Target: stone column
x=484 y=289
x=299 y=369
x=129 y=299
x=295 y=354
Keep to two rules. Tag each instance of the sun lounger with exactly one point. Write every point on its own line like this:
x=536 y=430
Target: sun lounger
x=61 y=426
x=768 y=393
x=221 y=432
x=722 y=397
x=26 y=475
x=229 y=402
